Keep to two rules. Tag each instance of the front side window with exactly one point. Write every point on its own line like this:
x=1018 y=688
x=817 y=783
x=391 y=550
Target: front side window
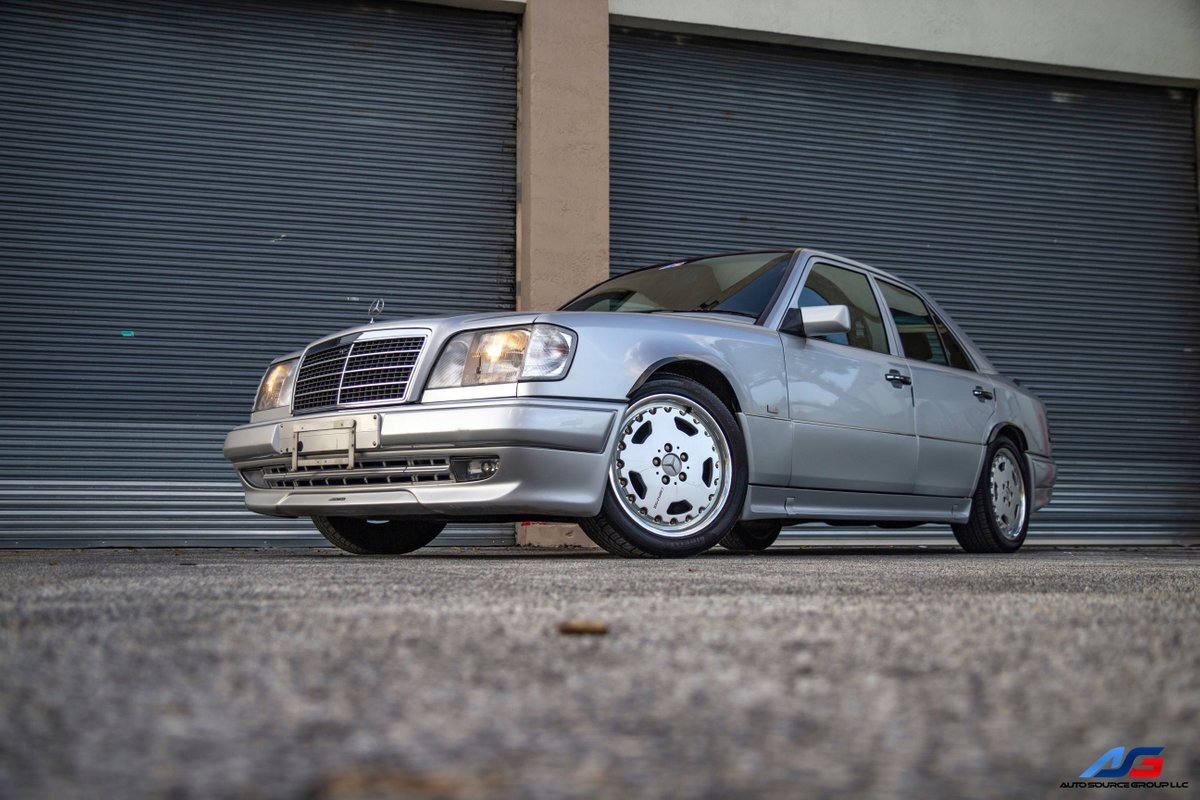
x=828 y=285
x=922 y=335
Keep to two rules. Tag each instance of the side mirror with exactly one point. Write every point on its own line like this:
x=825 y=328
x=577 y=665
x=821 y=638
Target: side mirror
x=816 y=321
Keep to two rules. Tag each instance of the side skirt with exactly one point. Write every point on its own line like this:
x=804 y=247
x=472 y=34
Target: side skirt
x=821 y=505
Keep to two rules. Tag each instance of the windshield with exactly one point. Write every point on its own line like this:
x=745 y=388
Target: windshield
x=736 y=284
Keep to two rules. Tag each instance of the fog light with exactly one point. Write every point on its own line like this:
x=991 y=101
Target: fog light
x=473 y=469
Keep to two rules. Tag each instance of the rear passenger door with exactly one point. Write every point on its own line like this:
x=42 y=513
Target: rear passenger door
x=954 y=404
x=849 y=397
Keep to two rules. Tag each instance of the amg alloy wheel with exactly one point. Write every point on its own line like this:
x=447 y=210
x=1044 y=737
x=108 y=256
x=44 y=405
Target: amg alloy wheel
x=1000 y=508
x=678 y=476
x=1007 y=495
x=671 y=465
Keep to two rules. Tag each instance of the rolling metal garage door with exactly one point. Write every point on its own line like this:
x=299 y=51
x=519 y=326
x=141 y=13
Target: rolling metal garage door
x=1054 y=217
x=190 y=189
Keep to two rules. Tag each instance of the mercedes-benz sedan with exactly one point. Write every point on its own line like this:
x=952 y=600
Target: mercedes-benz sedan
x=667 y=410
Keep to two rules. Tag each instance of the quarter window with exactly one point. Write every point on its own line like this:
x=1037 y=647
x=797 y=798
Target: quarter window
x=833 y=286
x=922 y=335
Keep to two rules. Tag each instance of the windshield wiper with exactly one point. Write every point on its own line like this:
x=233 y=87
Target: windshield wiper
x=724 y=311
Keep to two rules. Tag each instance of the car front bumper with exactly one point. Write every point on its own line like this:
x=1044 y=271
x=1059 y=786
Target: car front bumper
x=551 y=461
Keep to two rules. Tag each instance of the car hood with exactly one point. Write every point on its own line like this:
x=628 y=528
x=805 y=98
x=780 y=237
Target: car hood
x=439 y=325
x=451 y=323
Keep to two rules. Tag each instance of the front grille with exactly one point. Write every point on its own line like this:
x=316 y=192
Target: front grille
x=320 y=378
x=372 y=472
x=370 y=371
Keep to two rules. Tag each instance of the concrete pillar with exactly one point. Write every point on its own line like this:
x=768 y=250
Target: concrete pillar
x=562 y=151
x=562 y=170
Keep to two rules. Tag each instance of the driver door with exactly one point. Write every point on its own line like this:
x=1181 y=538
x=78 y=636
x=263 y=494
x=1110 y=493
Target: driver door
x=850 y=399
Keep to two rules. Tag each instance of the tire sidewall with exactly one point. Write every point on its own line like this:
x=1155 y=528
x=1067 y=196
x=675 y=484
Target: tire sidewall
x=1005 y=544
x=666 y=546
x=752 y=537
x=390 y=537
x=761 y=534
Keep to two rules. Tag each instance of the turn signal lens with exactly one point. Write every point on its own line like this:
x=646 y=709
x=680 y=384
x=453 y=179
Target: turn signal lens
x=452 y=364
x=549 y=354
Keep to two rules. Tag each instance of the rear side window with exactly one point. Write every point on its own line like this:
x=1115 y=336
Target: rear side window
x=833 y=286
x=955 y=352
x=922 y=335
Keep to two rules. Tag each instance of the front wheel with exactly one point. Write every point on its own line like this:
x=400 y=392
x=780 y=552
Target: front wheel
x=1000 y=508
x=371 y=537
x=677 y=480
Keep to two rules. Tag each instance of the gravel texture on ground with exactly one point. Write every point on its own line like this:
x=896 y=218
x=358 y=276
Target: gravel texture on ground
x=481 y=673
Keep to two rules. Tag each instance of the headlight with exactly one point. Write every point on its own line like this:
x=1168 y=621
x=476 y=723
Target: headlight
x=478 y=358
x=276 y=387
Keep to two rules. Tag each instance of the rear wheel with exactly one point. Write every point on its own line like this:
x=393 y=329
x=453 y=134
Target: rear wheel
x=677 y=481
x=751 y=537
x=366 y=537
x=1000 y=508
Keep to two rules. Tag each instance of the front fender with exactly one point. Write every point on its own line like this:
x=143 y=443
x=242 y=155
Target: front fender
x=618 y=352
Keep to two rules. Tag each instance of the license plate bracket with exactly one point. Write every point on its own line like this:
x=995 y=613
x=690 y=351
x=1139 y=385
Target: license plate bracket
x=329 y=443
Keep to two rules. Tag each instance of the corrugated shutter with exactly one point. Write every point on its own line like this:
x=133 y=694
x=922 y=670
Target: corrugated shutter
x=190 y=189
x=1054 y=217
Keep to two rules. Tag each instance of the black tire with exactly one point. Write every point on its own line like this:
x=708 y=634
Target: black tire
x=983 y=531
x=752 y=537
x=616 y=529
x=389 y=537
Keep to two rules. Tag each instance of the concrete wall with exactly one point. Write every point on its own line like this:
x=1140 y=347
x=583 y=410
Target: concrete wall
x=1153 y=41
x=562 y=153
x=1146 y=40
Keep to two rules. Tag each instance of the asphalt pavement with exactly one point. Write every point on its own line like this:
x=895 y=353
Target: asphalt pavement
x=800 y=672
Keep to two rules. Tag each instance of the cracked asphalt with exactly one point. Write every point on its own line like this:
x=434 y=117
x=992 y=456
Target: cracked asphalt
x=799 y=672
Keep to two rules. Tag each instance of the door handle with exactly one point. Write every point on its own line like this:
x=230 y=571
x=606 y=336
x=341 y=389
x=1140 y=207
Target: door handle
x=982 y=394
x=897 y=379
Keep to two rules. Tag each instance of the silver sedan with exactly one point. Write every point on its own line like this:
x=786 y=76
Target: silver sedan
x=701 y=402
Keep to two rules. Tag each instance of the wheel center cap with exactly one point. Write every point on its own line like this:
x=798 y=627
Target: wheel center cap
x=671 y=464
